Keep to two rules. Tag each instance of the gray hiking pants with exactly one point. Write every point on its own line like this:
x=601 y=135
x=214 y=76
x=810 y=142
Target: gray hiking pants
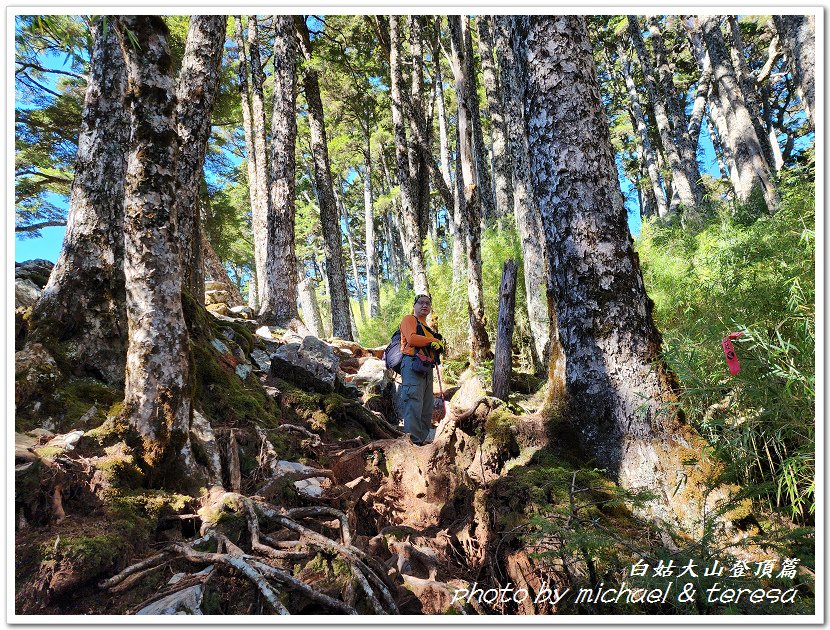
x=416 y=401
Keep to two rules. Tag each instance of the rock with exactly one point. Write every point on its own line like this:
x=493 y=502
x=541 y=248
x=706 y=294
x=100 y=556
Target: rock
x=290 y=336
x=373 y=371
x=217 y=297
x=312 y=487
x=220 y=308
x=243 y=312
x=243 y=370
x=23 y=445
x=213 y=285
x=261 y=359
x=66 y=441
x=34 y=369
x=41 y=434
x=220 y=346
x=203 y=437
x=38 y=271
x=310 y=365
x=26 y=293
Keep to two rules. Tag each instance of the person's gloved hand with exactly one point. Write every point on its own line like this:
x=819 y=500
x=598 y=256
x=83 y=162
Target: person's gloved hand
x=438 y=344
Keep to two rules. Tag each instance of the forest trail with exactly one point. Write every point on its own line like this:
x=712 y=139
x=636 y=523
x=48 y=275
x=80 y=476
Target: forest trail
x=330 y=492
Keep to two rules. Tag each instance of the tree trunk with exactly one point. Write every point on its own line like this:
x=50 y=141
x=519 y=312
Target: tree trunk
x=261 y=212
x=83 y=302
x=749 y=89
x=503 y=360
x=443 y=139
x=642 y=131
x=409 y=210
x=418 y=173
x=340 y=312
x=157 y=401
x=525 y=208
x=798 y=36
x=352 y=256
x=308 y=302
x=617 y=384
x=250 y=152
x=372 y=282
x=486 y=199
x=253 y=292
x=217 y=272
x=196 y=89
x=458 y=227
x=502 y=170
x=682 y=182
x=278 y=290
x=686 y=146
x=479 y=342
x=752 y=170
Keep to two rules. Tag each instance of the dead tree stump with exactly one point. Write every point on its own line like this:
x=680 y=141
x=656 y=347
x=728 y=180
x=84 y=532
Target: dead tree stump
x=504 y=339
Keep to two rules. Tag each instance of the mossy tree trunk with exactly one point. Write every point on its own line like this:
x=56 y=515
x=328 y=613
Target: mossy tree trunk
x=620 y=392
x=157 y=401
x=83 y=302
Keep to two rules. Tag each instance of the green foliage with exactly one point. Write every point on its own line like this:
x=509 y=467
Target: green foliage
x=755 y=277
x=394 y=305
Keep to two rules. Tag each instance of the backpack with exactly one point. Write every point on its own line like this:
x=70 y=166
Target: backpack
x=392 y=356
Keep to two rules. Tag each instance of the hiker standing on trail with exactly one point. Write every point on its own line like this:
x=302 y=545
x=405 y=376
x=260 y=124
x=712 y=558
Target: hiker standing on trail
x=421 y=348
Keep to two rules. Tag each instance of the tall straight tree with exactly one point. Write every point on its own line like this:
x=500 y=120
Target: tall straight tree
x=686 y=145
x=752 y=170
x=278 y=288
x=250 y=152
x=684 y=182
x=798 y=35
x=372 y=275
x=617 y=383
x=86 y=289
x=639 y=121
x=196 y=88
x=459 y=37
x=418 y=173
x=409 y=208
x=482 y=157
x=332 y=236
x=498 y=129
x=157 y=401
x=525 y=208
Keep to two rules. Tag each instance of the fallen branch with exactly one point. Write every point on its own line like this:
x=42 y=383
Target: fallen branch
x=152 y=561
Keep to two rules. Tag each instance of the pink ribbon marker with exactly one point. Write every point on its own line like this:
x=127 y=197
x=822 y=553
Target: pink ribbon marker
x=729 y=351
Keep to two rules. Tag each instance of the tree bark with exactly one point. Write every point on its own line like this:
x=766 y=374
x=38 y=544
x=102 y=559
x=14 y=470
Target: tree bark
x=749 y=89
x=409 y=209
x=418 y=173
x=340 y=312
x=372 y=281
x=642 y=131
x=250 y=152
x=686 y=146
x=480 y=153
x=278 y=290
x=308 y=302
x=83 y=302
x=617 y=383
x=525 y=208
x=196 y=89
x=752 y=171
x=503 y=360
x=502 y=170
x=683 y=181
x=798 y=36
x=479 y=342
x=157 y=401
x=352 y=256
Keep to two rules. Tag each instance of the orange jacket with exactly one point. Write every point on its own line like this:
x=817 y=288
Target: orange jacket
x=410 y=339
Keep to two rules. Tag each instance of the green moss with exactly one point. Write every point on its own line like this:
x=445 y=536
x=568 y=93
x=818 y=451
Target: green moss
x=67 y=403
x=499 y=427
x=241 y=335
x=49 y=452
x=223 y=395
x=119 y=468
x=89 y=556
